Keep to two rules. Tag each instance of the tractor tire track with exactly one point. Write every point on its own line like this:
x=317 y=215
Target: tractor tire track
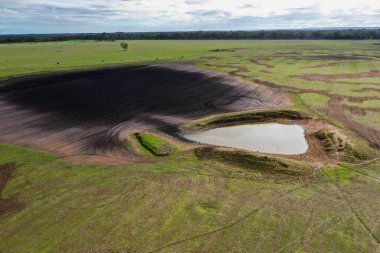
x=241 y=219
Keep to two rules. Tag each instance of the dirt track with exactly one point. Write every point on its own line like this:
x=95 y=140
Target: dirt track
x=320 y=77
x=83 y=114
x=254 y=61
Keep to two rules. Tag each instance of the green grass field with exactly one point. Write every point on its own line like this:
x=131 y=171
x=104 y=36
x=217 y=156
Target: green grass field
x=183 y=203
x=25 y=58
x=279 y=62
x=202 y=206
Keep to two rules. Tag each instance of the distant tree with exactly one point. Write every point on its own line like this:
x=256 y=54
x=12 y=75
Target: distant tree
x=124 y=45
x=336 y=34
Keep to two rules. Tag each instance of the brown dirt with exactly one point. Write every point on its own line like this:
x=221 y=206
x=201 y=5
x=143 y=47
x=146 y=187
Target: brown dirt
x=356 y=83
x=82 y=115
x=264 y=58
x=316 y=153
x=359 y=110
x=224 y=50
x=336 y=110
x=5 y=174
x=320 y=77
x=7 y=205
x=210 y=57
x=355 y=110
x=254 y=61
x=321 y=66
x=287 y=53
x=362 y=99
x=368 y=90
x=326 y=65
x=334 y=57
x=233 y=72
x=111 y=159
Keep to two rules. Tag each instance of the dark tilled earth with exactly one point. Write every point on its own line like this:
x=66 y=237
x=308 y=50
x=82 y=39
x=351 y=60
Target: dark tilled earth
x=84 y=113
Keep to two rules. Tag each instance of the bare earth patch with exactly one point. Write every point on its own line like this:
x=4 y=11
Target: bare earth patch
x=7 y=205
x=368 y=90
x=327 y=65
x=254 y=61
x=81 y=115
x=334 y=57
x=336 y=109
x=320 y=77
x=234 y=72
x=210 y=57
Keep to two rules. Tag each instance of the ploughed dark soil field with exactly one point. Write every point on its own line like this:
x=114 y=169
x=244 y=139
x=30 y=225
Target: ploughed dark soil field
x=84 y=113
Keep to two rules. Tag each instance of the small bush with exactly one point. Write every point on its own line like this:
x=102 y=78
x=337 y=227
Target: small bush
x=154 y=144
x=352 y=154
x=124 y=45
x=330 y=142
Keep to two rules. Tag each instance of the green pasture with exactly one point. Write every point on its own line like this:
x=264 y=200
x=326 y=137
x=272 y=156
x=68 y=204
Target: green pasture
x=182 y=203
x=185 y=205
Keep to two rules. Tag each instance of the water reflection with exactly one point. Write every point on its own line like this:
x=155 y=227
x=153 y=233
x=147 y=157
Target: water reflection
x=267 y=138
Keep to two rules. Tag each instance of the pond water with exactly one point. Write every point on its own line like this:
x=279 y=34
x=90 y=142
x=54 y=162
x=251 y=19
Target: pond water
x=271 y=138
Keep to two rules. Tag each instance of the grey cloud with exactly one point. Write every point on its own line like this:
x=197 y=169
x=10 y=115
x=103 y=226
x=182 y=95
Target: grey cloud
x=190 y=2
x=209 y=13
x=247 y=6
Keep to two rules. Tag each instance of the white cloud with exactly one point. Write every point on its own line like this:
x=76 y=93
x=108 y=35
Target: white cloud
x=193 y=14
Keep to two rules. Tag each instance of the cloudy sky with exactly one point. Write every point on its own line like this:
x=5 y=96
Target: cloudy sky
x=59 y=16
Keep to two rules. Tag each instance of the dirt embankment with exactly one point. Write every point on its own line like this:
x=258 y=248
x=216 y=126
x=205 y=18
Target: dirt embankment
x=367 y=90
x=5 y=174
x=81 y=115
x=336 y=110
x=234 y=72
x=315 y=154
x=210 y=57
x=334 y=57
x=257 y=62
x=320 y=77
x=328 y=65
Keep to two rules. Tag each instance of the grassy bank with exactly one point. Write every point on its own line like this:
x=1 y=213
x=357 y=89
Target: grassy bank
x=183 y=205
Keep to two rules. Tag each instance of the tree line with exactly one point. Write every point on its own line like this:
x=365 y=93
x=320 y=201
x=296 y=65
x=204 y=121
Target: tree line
x=346 y=34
